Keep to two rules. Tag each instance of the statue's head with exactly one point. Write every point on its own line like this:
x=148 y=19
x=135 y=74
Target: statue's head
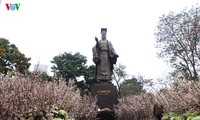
x=103 y=33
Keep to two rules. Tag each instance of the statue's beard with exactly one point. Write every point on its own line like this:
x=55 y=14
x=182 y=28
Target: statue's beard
x=103 y=37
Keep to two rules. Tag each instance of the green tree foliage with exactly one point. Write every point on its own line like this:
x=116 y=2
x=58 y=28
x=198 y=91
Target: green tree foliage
x=89 y=80
x=71 y=66
x=131 y=87
x=11 y=57
x=89 y=76
x=178 y=40
x=68 y=65
x=186 y=116
x=119 y=74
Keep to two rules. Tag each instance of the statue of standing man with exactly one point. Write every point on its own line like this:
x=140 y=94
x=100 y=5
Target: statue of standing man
x=104 y=56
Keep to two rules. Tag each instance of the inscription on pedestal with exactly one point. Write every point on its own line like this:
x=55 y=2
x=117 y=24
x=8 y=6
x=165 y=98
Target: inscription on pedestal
x=106 y=94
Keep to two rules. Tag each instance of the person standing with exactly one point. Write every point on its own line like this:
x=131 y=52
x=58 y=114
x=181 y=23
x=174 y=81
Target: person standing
x=158 y=111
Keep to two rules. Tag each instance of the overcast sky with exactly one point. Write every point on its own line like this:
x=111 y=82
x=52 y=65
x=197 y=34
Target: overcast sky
x=42 y=29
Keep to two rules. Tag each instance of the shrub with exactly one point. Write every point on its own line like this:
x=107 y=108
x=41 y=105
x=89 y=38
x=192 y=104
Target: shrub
x=31 y=97
x=23 y=97
x=181 y=98
x=135 y=107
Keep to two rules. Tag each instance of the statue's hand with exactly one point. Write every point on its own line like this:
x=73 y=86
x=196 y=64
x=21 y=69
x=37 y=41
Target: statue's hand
x=116 y=56
x=97 y=60
x=96 y=38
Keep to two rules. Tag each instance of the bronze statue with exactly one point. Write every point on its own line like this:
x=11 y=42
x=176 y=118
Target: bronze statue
x=104 y=56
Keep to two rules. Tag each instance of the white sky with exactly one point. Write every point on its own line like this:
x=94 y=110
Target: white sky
x=42 y=29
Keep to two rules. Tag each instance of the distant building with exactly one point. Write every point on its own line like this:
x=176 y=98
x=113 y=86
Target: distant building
x=41 y=68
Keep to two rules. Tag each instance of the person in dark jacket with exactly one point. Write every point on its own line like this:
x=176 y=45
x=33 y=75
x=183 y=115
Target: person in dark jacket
x=105 y=114
x=158 y=111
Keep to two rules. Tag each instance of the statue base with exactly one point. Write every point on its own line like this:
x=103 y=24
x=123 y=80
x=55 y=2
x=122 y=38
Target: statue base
x=106 y=94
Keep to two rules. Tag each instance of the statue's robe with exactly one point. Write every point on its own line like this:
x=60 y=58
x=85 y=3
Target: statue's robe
x=105 y=52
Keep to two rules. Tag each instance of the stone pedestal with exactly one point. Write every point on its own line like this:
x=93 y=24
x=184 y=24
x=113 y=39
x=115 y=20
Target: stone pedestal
x=106 y=94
